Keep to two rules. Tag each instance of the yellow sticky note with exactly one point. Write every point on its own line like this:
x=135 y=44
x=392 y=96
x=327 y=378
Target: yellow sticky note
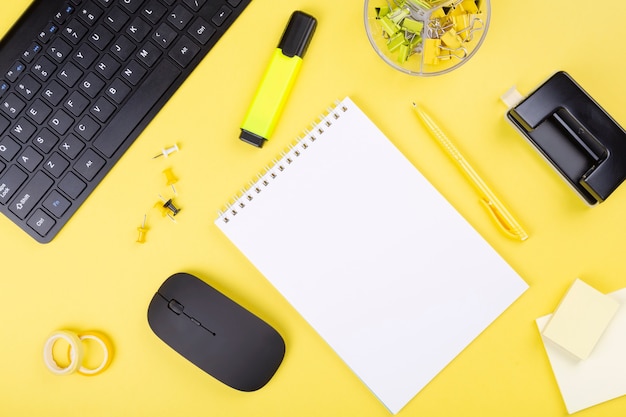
x=580 y=319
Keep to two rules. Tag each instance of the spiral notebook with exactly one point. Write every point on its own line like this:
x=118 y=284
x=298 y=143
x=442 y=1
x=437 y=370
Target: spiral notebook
x=385 y=270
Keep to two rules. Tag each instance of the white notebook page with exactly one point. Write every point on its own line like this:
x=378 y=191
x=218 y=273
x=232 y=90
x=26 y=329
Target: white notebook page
x=371 y=255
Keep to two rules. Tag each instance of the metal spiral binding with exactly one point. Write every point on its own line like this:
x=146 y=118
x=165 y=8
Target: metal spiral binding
x=288 y=157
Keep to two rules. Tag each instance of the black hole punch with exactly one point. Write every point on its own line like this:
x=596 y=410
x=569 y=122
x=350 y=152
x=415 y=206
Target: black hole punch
x=577 y=136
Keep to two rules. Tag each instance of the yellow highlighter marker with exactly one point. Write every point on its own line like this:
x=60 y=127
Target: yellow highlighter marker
x=503 y=217
x=279 y=78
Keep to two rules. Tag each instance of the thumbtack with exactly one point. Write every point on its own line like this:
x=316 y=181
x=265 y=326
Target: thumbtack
x=168 y=208
x=167 y=151
x=141 y=237
x=170 y=178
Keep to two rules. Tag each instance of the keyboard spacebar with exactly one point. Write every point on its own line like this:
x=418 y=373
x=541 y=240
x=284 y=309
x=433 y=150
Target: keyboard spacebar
x=136 y=108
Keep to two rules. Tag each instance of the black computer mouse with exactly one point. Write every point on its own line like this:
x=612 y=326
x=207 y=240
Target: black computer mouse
x=214 y=333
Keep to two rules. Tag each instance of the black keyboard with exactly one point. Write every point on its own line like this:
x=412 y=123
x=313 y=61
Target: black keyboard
x=79 y=81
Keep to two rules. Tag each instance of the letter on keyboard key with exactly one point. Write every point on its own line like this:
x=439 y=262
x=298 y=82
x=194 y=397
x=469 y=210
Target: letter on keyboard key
x=136 y=108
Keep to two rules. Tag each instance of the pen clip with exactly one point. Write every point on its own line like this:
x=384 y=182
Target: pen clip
x=510 y=230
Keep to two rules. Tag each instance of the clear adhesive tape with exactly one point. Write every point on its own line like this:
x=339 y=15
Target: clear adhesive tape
x=76 y=352
x=107 y=352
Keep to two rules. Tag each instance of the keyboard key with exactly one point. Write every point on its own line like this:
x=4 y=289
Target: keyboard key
x=54 y=93
x=45 y=140
x=107 y=66
x=15 y=71
x=56 y=165
x=85 y=56
x=116 y=19
x=221 y=16
x=118 y=90
x=123 y=48
x=89 y=13
x=9 y=148
x=76 y=103
x=12 y=105
x=153 y=11
x=45 y=35
x=43 y=68
x=149 y=54
x=134 y=72
x=56 y=204
x=89 y=164
x=164 y=36
x=101 y=37
x=41 y=223
x=92 y=85
x=59 y=50
x=70 y=74
x=38 y=111
x=23 y=130
x=103 y=109
x=71 y=185
x=28 y=87
x=234 y=3
x=136 y=108
x=71 y=146
x=10 y=181
x=75 y=31
x=139 y=29
x=180 y=17
x=61 y=122
x=30 y=195
x=201 y=31
x=30 y=159
x=29 y=54
x=184 y=51
x=62 y=15
x=87 y=128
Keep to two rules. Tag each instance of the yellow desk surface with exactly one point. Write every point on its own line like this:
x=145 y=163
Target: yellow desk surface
x=94 y=275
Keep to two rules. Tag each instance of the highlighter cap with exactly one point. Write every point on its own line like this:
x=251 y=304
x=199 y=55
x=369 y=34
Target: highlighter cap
x=298 y=34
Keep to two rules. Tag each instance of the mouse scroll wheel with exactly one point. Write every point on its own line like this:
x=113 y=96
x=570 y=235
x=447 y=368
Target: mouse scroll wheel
x=176 y=307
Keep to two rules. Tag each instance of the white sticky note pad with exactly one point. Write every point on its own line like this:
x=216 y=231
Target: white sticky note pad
x=599 y=378
x=580 y=319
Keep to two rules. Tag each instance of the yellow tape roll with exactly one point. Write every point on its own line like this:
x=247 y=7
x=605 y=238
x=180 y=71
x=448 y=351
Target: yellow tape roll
x=76 y=352
x=107 y=351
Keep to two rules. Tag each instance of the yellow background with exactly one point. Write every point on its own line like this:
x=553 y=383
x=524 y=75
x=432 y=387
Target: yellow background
x=94 y=276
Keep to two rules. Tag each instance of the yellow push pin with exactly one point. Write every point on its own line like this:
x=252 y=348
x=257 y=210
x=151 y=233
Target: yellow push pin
x=170 y=178
x=142 y=230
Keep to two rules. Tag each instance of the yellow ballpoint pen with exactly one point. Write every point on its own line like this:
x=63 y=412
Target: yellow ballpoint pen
x=502 y=216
